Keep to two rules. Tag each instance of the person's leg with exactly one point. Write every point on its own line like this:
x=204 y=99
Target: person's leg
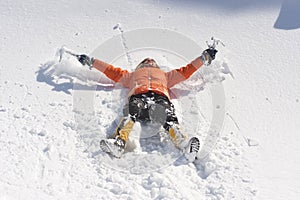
x=134 y=110
x=131 y=112
x=163 y=112
x=115 y=145
x=191 y=146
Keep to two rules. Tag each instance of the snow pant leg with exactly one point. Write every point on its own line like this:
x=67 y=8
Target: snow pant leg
x=169 y=120
x=163 y=112
x=136 y=109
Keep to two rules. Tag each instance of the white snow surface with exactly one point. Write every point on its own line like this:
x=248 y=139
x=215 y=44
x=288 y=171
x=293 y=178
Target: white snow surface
x=49 y=147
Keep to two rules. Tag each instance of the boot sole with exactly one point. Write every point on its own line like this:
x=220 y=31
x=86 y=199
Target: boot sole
x=105 y=147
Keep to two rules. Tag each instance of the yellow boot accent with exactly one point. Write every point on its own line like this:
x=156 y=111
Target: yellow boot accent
x=172 y=133
x=124 y=129
x=118 y=128
x=176 y=135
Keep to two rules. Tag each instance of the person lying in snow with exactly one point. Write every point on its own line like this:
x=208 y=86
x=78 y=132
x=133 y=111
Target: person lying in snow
x=149 y=100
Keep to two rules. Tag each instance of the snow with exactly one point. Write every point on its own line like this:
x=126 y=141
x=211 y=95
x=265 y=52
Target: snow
x=53 y=114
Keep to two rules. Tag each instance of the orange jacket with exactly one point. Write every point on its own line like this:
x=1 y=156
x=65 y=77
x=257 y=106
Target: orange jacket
x=148 y=78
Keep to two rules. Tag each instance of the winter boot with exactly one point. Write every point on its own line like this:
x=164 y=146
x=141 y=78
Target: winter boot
x=191 y=148
x=114 y=147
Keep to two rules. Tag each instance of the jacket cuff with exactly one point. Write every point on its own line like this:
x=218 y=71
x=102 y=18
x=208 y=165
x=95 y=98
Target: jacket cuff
x=197 y=63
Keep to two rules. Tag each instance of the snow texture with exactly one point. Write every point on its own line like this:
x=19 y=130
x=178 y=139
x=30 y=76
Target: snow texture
x=53 y=113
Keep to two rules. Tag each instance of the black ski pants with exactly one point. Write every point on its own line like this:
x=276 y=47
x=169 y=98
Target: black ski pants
x=151 y=107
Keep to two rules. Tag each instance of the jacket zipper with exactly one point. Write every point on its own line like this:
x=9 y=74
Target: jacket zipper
x=149 y=79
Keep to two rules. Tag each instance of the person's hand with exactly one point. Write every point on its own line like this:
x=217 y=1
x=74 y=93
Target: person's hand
x=85 y=60
x=208 y=55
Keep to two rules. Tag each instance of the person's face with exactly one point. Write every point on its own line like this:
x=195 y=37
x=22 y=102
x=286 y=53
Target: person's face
x=148 y=62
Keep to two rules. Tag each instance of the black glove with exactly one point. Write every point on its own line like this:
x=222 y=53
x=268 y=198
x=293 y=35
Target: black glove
x=208 y=55
x=85 y=60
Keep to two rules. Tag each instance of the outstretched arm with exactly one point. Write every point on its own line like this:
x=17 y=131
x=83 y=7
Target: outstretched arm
x=113 y=73
x=176 y=76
